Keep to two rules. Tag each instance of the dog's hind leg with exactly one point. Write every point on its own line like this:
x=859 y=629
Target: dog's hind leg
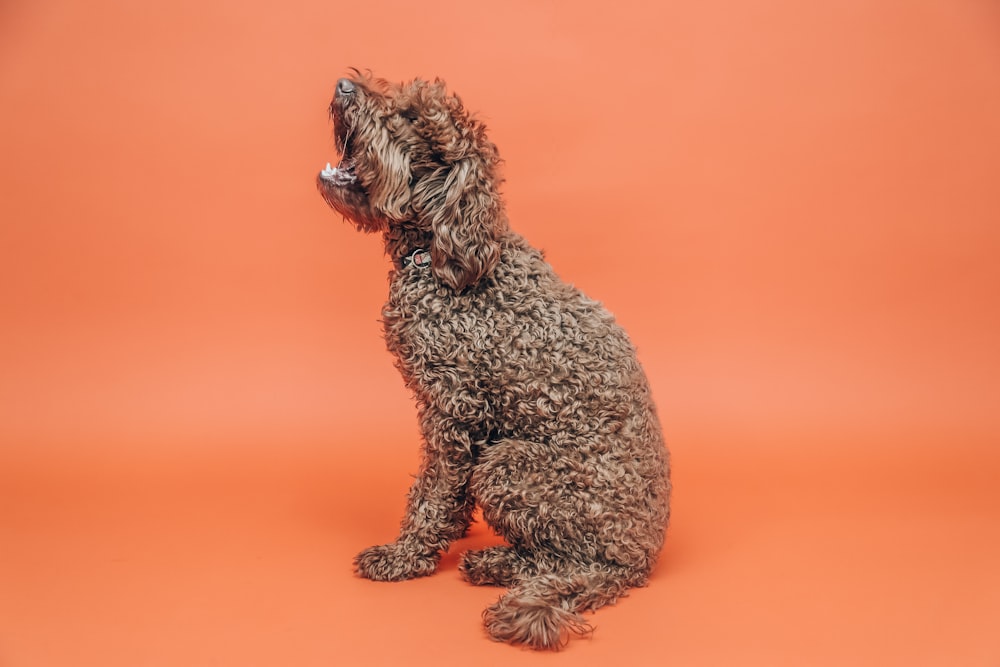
x=542 y=612
x=576 y=545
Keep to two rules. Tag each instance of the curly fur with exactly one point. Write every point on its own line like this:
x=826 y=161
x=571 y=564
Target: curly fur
x=532 y=403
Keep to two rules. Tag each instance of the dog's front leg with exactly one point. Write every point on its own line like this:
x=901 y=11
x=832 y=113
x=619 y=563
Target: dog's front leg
x=439 y=507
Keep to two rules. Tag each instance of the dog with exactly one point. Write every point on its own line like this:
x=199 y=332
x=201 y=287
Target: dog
x=531 y=401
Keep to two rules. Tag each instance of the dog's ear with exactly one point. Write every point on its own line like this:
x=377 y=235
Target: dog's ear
x=465 y=221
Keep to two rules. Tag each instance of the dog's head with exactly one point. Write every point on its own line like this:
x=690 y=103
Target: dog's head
x=412 y=157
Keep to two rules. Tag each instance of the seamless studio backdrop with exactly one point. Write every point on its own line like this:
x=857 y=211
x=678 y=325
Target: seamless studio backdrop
x=792 y=207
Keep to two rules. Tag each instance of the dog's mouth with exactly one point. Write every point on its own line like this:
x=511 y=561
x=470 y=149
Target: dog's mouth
x=341 y=175
x=344 y=173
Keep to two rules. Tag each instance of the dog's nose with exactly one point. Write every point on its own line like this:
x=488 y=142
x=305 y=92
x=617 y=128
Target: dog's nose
x=345 y=87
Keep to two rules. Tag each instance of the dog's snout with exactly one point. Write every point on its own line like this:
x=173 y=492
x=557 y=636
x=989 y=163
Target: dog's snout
x=345 y=87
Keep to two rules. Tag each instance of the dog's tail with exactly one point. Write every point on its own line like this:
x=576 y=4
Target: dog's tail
x=543 y=611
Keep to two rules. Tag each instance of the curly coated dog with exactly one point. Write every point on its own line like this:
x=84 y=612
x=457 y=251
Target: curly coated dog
x=531 y=401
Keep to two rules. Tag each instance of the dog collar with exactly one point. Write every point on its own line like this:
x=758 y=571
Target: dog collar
x=419 y=258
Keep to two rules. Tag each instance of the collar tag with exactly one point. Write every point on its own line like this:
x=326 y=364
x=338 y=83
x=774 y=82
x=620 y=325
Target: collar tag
x=419 y=258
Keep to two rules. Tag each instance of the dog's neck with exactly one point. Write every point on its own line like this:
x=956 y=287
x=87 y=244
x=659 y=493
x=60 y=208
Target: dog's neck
x=401 y=241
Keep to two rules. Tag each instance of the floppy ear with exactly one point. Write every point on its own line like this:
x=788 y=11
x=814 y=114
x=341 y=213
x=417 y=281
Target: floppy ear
x=465 y=221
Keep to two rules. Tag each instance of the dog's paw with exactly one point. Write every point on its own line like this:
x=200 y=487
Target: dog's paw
x=394 y=562
x=493 y=566
x=532 y=622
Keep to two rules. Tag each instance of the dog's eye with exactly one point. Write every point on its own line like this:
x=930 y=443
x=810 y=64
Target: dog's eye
x=409 y=115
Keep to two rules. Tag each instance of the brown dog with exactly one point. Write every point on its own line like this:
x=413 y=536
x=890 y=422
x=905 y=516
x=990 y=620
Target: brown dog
x=531 y=401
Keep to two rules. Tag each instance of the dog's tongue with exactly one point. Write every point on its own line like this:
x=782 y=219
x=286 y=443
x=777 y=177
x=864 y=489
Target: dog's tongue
x=342 y=174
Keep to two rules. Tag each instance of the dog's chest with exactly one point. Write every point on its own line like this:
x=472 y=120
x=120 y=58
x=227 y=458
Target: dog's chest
x=431 y=329
x=488 y=338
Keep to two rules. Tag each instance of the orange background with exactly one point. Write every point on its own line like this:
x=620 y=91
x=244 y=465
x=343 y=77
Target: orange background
x=793 y=207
